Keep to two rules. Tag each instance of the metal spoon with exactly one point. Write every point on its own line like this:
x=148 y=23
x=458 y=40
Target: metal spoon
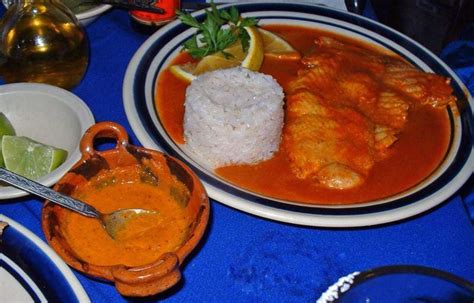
x=142 y=5
x=112 y=222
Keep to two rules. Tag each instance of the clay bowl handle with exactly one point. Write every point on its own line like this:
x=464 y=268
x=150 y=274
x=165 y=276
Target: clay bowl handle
x=149 y=279
x=103 y=130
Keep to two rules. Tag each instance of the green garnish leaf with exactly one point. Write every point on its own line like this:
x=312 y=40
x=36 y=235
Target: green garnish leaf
x=192 y=45
x=219 y=30
x=248 y=22
x=189 y=20
x=244 y=39
x=234 y=15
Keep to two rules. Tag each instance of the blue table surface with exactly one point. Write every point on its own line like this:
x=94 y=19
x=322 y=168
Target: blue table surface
x=244 y=258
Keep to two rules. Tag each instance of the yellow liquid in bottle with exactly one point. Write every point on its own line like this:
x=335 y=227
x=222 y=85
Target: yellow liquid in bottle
x=44 y=44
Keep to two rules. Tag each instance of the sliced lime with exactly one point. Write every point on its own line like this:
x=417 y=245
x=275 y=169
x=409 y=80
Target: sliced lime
x=29 y=158
x=6 y=128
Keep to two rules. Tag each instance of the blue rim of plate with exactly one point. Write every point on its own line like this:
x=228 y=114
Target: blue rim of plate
x=36 y=267
x=139 y=88
x=345 y=284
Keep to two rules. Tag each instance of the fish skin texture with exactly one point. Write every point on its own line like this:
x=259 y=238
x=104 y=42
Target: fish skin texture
x=347 y=106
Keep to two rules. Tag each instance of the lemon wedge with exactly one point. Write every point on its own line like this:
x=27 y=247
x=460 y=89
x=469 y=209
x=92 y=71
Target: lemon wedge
x=251 y=59
x=276 y=47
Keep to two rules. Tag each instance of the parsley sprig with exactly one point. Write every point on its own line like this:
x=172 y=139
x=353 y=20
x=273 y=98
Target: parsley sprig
x=220 y=29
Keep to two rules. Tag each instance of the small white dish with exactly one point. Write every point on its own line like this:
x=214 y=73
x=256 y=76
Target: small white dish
x=47 y=114
x=86 y=17
x=89 y=16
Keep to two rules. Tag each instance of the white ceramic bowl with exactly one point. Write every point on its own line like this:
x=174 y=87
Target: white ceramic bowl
x=87 y=17
x=47 y=114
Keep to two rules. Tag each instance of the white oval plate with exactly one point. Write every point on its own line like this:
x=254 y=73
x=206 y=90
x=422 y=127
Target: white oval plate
x=159 y=50
x=47 y=114
x=30 y=271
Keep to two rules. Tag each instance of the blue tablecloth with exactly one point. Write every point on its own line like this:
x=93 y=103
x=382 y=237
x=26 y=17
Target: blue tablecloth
x=243 y=258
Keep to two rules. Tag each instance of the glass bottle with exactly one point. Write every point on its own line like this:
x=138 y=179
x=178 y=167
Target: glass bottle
x=41 y=41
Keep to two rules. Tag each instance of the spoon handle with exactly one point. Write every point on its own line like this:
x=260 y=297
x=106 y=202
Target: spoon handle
x=40 y=190
x=142 y=5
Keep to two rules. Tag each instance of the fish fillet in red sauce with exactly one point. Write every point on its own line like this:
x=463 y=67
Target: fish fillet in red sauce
x=341 y=117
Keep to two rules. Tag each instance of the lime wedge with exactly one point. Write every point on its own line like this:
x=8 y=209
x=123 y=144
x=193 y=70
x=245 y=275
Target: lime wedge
x=6 y=128
x=29 y=158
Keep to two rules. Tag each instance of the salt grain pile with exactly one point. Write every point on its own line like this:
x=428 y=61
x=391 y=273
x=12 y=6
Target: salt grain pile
x=233 y=116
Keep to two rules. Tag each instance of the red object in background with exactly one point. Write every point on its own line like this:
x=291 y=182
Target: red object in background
x=147 y=18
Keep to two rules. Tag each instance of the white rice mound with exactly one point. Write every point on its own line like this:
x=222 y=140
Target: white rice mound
x=233 y=116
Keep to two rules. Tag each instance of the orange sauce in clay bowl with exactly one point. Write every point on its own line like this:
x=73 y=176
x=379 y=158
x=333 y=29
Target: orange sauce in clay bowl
x=145 y=257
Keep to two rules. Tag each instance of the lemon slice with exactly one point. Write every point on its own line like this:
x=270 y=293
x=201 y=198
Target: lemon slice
x=277 y=47
x=6 y=128
x=29 y=158
x=252 y=59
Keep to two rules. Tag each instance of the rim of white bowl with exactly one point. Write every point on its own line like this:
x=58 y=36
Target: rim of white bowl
x=93 y=11
x=85 y=118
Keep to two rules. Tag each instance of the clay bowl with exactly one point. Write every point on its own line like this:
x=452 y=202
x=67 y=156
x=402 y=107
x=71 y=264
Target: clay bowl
x=142 y=280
